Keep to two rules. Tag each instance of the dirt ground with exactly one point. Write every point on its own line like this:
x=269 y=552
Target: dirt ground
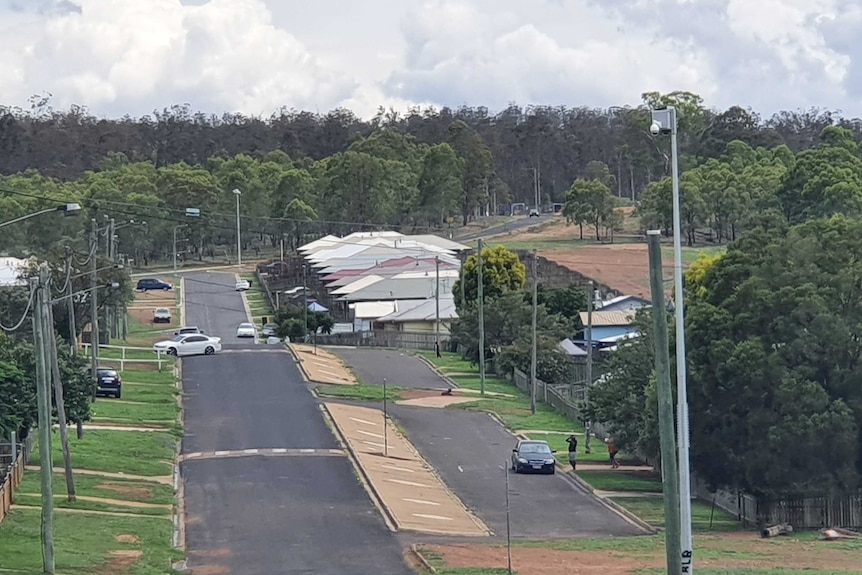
x=716 y=551
x=133 y=490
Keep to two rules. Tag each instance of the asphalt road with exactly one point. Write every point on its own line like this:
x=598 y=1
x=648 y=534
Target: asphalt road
x=399 y=368
x=471 y=453
x=297 y=513
x=214 y=305
x=521 y=223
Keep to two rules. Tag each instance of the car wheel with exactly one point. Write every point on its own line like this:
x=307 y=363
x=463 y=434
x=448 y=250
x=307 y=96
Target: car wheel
x=172 y=351
x=209 y=350
x=166 y=288
x=119 y=393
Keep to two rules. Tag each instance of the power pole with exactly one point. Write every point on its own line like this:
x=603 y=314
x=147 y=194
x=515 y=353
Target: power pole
x=670 y=484
x=590 y=297
x=481 y=301
x=94 y=305
x=109 y=308
x=73 y=329
x=437 y=305
x=43 y=401
x=59 y=402
x=533 y=350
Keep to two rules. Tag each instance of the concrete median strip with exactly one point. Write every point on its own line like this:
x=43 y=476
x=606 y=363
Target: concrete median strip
x=320 y=366
x=408 y=489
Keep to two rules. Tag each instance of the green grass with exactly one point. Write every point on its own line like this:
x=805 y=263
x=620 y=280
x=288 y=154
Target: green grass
x=642 y=543
x=149 y=393
x=107 y=487
x=165 y=376
x=651 y=510
x=135 y=453
x=620 y=480
x=87 y=505
x=111 y=410
x=83 y=542
x=493 y=384
x=598 y=450
x=359 y=392
x=691 y=255
x=131 y=353
x=436 y=561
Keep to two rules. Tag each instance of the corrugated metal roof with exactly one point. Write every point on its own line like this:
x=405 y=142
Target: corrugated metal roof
x=390 y=289
x=609 y=318
x=327 y=240
x=357 y=284
x=426 y=311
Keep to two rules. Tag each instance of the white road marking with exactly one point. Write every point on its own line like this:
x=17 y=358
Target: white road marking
x=459 y=469
x=420 y=501
x=249 y=450
x=370 y=433
x=222 y=452
x=363 y=421
x=374 y=444
x=394 y=468
x=411 y=483
x=306 y=450
x=279 y=450
x=437 y=517
x=191 y=455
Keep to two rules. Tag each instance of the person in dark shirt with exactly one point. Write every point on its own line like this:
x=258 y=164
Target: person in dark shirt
x=573 y=451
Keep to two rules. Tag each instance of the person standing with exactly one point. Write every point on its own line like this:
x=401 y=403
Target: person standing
x=573 y=451
x=612 y=453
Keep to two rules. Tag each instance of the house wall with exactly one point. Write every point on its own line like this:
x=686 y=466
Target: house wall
x=609 y=331
x=416 y=327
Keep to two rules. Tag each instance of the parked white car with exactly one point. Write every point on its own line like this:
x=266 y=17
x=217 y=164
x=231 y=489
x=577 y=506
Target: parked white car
x=246 y=330
x=189 y=344
x=243 y=285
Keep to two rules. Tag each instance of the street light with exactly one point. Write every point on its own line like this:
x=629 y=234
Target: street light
x=238 y=241
x=664 y=121
x=65 y=209
x=175 y=246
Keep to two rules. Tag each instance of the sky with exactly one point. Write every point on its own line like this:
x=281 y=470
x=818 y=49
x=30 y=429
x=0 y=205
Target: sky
x=130 y=57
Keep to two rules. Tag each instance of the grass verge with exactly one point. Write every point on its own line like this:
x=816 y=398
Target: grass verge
x=106 y=487
x=704 y=517
x=622 y=480
x=359 y=391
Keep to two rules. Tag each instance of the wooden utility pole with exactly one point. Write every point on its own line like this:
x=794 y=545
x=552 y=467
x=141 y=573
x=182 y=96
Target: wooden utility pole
x=670 y=472
x=590 y=296
x=59 y=402
x=534 y=336
x=481 y=302
x=437 y=305
x=73 y=329
x=43 y=402
x=94 y=306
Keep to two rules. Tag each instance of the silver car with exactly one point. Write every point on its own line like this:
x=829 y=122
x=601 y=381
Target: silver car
x=246 y=330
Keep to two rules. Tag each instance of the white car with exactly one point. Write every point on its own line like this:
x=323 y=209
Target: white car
x=246 y=330
x=243 y=285
x=189 y=344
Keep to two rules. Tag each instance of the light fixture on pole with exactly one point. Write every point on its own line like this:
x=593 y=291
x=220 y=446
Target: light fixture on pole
x=238 y=193
x=65 y=209
x=664 y=121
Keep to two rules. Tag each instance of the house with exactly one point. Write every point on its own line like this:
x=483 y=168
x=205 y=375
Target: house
x=608 y=327
x=396 y=289
x=366 y=313
x=422 y=318
x=623 y=303
x=389 y=268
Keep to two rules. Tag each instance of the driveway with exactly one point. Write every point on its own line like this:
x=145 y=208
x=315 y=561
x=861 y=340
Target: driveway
x=471 y=453
x=267 y=489
x=399 y=368
x=214 y=305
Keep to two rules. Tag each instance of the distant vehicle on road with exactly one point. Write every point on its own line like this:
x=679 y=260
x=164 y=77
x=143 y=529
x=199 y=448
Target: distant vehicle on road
x=161 y=315
x=534 y=456
x=188 y=329
x=148 y=284
x=534 y=213
x=273 y=340
x=269 y=329
x=109 y=382
x=246 y=330
x=189 y=344
x=243 y=285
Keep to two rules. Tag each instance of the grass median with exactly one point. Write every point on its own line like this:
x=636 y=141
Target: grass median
x=360 y=392
x=121 y=520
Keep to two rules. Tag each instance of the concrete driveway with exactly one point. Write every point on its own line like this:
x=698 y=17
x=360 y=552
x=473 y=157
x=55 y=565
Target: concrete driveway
x=398 y=367
x=267 y=488
x=471 y=453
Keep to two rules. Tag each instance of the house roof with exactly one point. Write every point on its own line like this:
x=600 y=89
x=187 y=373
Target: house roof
x=373 y=310
x=425 y=311
x=569 y=347
x=370 y=259
x=388 y=269
x=324 y=241
x=608 y=318
x=426 y=273
x=392 y=289
x=624 y=299
x=432 y=240
x=358 y=283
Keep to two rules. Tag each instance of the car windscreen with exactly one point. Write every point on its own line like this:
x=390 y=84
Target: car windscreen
x=107 y=373
x=535 y=448
x=246 y=325
x=179 y=338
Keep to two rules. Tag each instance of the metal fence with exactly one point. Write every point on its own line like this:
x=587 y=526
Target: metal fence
x=393 y=339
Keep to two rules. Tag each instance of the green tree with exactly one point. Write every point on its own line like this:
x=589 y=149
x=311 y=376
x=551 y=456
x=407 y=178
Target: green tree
x=440 y=184
x=590 y=201
x=478 y=163
x=502 y=271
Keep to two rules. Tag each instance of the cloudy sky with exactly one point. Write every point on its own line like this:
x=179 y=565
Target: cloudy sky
x=119 y=57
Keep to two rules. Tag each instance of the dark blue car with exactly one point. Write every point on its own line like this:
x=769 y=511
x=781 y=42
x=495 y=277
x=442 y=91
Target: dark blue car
x=533 y=456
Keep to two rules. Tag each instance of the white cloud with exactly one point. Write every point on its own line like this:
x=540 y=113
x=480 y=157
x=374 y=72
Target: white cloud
x=255 y=56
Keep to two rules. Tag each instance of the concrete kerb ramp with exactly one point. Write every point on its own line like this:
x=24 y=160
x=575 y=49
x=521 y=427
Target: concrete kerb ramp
x=405 y=486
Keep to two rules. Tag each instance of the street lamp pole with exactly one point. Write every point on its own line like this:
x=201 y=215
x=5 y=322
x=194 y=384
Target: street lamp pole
x=175 y=246
x=238 y=193
x=664 y=121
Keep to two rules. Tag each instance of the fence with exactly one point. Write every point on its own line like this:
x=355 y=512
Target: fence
x=13 y=474
x=124 y=359
x=396 y=339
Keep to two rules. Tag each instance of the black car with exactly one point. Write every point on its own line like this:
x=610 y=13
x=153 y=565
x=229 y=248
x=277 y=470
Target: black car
x=147 y=284
x=533 y=456
x=109 y=382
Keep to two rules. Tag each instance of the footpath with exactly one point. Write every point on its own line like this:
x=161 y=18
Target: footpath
x=409 y=492
x=321 y=366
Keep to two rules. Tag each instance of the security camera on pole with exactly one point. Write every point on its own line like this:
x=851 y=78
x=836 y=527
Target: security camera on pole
x=664 y=121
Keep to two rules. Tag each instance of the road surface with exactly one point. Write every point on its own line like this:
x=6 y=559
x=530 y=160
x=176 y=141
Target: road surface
x=471 y=452
x=267 y=489
x=522 y=223
x=398 y=367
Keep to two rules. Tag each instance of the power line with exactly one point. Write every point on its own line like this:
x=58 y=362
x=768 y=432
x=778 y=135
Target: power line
x=23 y=317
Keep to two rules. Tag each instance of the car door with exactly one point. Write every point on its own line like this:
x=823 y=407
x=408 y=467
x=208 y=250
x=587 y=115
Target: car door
x=196 y=344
